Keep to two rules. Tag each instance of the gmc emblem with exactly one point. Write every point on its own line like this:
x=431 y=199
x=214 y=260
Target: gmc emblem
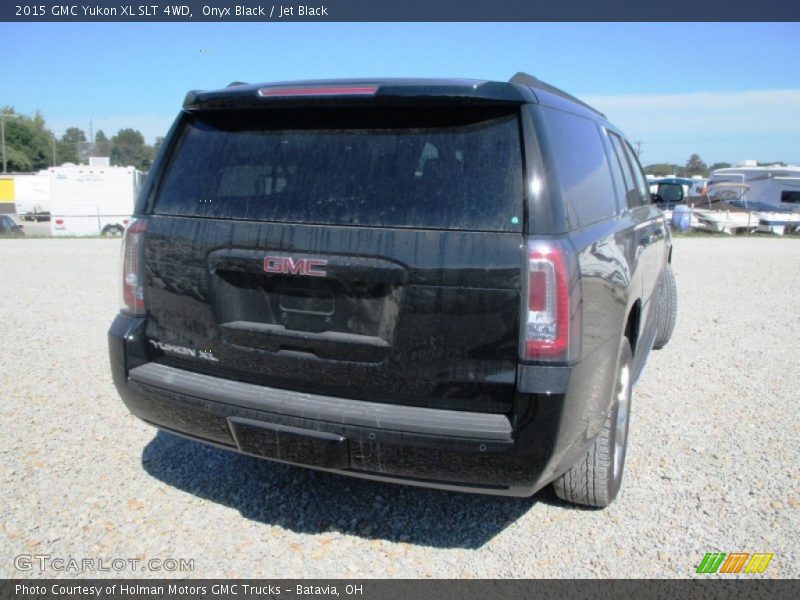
x=289 y=266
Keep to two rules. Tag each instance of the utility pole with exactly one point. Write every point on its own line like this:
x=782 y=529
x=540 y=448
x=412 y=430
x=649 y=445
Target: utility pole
x=638 y=148
x=53 y=135
x=3 y=117
x=90 y=146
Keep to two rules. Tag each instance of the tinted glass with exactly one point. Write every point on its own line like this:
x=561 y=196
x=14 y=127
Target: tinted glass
x=789 y=196
x=621 y=178
x=670 y=193
x=580 y=162
x=639 y=179
x=631 y=192
x=434 y=168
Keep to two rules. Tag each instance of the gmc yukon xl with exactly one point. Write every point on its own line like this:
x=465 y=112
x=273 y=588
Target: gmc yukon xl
x=446 y=283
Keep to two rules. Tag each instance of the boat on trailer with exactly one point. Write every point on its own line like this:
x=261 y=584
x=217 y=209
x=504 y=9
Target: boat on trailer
x=752 y=199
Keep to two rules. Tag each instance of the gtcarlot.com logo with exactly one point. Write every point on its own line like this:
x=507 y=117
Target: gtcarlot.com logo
x=734 y=562
x=48 y=562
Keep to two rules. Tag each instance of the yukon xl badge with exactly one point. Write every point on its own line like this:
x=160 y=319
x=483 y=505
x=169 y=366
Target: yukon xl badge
x=290 y=266
x=184 y=351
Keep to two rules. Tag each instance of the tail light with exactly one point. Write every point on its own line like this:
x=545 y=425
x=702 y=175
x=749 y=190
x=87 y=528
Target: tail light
x=132 y=267
x=547 y=319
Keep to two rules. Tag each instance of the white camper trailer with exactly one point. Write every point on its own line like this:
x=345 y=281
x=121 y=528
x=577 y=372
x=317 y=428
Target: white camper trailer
x=27 y=194
x=92 y=199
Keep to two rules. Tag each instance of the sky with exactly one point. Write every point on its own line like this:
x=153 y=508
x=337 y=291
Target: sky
x=727 y=92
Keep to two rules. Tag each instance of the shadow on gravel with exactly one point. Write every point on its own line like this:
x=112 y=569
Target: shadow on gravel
x=307 y=501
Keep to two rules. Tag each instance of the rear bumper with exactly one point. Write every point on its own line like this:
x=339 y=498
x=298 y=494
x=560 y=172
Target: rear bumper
x=476 y=452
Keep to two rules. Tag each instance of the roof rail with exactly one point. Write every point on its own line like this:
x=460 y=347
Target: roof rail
x=235 y=83
x=531 y=81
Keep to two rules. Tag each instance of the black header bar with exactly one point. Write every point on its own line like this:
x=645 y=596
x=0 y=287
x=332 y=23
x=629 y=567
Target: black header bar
x=226 y=11
x=374 y=589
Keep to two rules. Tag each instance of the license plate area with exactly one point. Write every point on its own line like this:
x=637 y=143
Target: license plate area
x=290 y=444
x=305 y=301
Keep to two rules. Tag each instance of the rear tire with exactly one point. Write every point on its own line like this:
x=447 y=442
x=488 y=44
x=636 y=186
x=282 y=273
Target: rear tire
x=666 y=310
x=113 y=230
x=596 y=478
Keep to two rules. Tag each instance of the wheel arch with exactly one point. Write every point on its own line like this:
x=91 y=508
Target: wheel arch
x=633 y=324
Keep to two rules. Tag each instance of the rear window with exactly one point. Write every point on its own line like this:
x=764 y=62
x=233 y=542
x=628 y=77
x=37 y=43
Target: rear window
x=435 y=168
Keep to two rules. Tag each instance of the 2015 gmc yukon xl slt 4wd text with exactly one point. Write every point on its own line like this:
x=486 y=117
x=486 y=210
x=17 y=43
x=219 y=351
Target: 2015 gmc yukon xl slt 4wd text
x=448 y=283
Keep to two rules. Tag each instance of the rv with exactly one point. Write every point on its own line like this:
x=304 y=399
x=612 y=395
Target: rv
x=26 y=194
x=94 y=199
x=772 y=188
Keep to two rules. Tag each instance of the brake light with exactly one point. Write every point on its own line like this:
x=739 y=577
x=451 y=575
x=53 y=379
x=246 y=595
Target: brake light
x=283 y=92
x=132 y=267
x=546 y=325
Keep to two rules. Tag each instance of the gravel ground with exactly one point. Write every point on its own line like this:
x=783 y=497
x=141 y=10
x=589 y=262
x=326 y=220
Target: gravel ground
x=34 y=229
x=712 y=463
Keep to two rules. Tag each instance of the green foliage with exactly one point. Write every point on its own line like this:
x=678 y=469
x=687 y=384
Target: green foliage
x=102 y=147
x=17 y=160
x=662 y=169
x=73 y=135
x=128 y=148
x=695 y=166
x=72 y=146
x=28 y=145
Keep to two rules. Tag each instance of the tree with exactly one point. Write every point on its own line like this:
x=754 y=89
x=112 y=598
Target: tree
x=102 y=147
x=29 y=145
x=128 y=148
x=28 y=142
x=661 y=169
x=695 y=166
x=157 y=145
x=69 y=148
x=718 y=165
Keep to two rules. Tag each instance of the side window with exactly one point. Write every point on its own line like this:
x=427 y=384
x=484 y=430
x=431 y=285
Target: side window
x=790 y=196
x=632 y=194
x=622 y=176
x=638 y=175
x=582 y=167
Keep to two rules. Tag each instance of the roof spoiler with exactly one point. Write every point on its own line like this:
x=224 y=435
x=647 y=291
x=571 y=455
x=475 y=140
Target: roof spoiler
x=531 y=81
x=257 y=96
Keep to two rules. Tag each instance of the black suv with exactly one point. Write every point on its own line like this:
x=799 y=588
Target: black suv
x=447 y=283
